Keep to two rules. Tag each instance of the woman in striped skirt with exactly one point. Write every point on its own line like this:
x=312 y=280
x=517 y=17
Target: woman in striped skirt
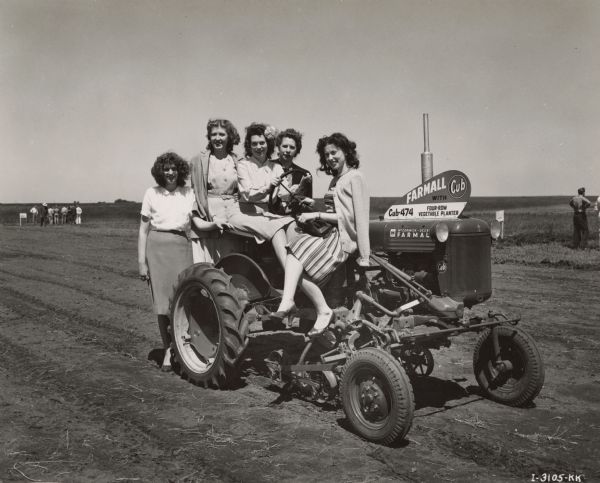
x=311 y=260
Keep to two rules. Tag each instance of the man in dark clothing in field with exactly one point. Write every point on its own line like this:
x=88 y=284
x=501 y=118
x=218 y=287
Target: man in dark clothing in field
x=44 y=215
x=579 y=204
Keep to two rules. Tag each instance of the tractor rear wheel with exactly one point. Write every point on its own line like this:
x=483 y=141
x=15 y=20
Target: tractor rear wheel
x=516 y=383
x=377 y=396
x=208 y=327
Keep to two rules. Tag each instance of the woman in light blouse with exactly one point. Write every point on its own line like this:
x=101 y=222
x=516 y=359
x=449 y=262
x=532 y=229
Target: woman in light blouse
x=214 y=181
x=311 y=260
x=163 y=246
x=257 y=176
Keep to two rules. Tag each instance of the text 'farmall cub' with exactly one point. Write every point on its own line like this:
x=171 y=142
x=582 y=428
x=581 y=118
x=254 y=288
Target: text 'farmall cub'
x=428 y=265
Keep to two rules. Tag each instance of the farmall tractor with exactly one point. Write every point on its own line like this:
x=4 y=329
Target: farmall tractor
x=429 y=267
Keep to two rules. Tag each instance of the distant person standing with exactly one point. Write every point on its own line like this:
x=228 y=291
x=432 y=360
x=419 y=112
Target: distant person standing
x=44 y=214
x=56 y=215
x=71 y=214
x=78 y=212
x=63 y=215
x=581 y=231
x=50 y=215
x=34 y=213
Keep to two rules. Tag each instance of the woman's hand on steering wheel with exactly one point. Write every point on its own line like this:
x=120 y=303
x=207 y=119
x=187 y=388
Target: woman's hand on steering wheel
x=222 y=225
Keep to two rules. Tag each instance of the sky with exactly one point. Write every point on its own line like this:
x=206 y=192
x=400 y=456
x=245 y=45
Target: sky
x=91 y=92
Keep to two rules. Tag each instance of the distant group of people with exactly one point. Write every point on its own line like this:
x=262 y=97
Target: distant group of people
x=53 y=215
x=581 y=231
x=181 y=225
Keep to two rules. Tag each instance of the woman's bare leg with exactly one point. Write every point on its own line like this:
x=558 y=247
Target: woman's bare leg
x=279 y=242
x=293 y=278
x=293 y=272
x=163 y=327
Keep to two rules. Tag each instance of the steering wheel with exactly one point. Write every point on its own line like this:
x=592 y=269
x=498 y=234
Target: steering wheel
x=296 y=199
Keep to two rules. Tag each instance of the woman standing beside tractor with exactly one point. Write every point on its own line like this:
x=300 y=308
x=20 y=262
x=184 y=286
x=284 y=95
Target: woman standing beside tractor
x=163 y=247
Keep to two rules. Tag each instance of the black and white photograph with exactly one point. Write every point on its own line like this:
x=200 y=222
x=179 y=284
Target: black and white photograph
x=299 y=240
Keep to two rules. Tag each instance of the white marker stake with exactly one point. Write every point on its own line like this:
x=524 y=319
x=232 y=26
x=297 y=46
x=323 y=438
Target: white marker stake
x=21 y=217
x=500 y=218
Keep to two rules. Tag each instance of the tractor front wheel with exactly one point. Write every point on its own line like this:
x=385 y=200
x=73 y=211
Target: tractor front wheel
x=377 y=396
x=208 y=326
x=516 y=377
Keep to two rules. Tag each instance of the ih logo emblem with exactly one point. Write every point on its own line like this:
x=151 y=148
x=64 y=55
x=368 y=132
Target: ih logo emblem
x=458 y=186
x=441 y=266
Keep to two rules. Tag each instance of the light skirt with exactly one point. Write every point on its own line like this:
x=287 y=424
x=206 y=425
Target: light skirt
x=167 y=255
x=211 y=250
x=262 y=227
x=319 y=256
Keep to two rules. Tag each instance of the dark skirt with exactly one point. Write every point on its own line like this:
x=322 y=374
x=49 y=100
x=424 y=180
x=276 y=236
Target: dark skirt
x=167 y=255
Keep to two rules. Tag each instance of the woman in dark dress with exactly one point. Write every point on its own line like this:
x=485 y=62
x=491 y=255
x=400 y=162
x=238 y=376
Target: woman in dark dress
x=297 y=183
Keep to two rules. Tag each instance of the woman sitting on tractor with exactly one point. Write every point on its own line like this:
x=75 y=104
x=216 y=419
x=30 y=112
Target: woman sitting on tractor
x=295 y=191
x=214 y=180
x=257 y=176
x=311 y=260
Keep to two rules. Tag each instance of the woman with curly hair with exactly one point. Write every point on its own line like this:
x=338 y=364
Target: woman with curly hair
x=295 y=189
x=163 y=247
x=311 y=260
x=257 y=176
x=214 y=181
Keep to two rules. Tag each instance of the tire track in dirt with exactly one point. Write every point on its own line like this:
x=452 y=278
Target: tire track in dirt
x=99 y=334
x=378 y=455
x=103 y=334
x=82 y=400
x=14 y=253
x=178 y=443
x=57 y=282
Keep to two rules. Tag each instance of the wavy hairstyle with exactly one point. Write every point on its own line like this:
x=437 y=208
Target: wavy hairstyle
x=342 y=142
x=292 y=134
x=260 y=129
x=233 y=138
x=170 y=159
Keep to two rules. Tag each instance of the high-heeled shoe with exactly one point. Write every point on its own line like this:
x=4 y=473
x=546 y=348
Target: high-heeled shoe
x=282 y=314
x=166 y=365
x=321 y=324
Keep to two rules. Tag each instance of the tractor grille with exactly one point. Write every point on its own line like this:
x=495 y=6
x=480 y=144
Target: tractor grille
x=469 y=272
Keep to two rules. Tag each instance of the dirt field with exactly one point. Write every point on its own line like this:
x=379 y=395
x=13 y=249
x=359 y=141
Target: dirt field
x=79 y=401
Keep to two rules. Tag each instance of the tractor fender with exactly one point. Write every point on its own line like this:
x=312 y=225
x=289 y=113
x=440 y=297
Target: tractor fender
x=247 y=275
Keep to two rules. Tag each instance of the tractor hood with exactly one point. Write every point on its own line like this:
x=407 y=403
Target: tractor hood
x=421 y=235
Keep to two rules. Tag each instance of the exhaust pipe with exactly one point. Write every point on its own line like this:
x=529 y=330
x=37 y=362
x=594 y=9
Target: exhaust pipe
x=426 y=155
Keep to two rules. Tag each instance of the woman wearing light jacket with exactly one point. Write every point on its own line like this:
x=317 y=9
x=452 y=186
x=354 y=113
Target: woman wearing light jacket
x=311 y=260
x=214 y=181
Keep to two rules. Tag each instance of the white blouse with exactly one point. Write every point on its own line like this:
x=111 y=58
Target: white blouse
x=254 y=179
x=168 y=210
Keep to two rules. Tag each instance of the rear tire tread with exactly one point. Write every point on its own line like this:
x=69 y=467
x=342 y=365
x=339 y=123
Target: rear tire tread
x=233 y=326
